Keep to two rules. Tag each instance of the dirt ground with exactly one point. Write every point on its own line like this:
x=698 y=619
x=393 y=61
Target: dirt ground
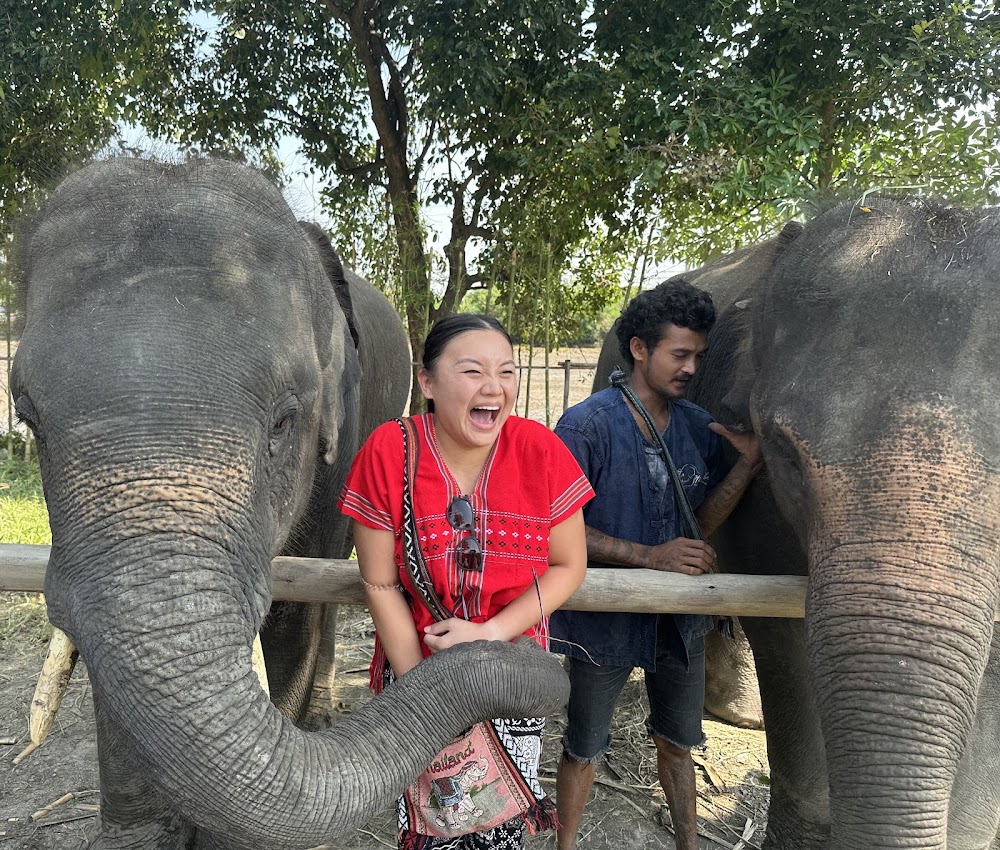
x=626 y=809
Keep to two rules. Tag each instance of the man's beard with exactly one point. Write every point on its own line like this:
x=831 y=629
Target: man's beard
x=678 y=388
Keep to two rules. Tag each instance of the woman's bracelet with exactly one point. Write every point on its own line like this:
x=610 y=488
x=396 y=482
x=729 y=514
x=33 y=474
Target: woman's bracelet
x=370 y=586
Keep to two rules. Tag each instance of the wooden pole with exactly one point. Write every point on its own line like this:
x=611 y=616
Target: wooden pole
x=566 y=365
x=22 y=568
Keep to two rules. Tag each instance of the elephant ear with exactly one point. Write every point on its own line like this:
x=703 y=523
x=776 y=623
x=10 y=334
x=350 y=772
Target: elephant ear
x=334 y=336
x=334 y=269
x=609 y=359
x=724 y=382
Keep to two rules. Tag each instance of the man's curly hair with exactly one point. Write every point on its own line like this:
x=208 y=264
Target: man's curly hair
x=674 y=301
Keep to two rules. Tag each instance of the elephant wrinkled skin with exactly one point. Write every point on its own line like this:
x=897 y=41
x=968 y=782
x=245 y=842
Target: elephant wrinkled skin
x=863 y=349
x=199 y=371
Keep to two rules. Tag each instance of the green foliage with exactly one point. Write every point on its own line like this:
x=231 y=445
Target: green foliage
x=24 y=521
x=23 y=518
x=740 y=113
x=69 y=71
x=562 y=137
x=584 y=327
x=539 y=299
x=19 y=478
x=363 y=235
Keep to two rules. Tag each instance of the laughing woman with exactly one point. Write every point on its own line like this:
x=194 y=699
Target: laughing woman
x=497 y=507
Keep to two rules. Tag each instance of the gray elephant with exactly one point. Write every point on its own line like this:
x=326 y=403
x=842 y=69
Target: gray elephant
x=863 y=349
x=199 y=371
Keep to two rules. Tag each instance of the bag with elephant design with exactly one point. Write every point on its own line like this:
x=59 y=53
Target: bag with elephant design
x=470 y=786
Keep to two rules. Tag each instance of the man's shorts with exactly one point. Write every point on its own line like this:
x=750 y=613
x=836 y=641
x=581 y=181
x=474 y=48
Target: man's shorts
x=676 y=702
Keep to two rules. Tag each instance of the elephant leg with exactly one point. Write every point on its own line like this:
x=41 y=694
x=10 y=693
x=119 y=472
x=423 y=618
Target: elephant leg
x=319 y=714
x=731 y=691
x=974 y=810
x=799 y=812
x=291 y=638
x=133 y=815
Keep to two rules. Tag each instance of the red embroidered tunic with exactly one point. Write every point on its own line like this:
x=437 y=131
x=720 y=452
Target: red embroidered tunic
x=530 y=482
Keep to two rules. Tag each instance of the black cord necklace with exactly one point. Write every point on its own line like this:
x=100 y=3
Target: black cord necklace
x=620 y=379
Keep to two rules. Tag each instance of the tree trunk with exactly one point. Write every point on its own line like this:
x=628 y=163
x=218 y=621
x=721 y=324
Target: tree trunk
x=828 y=146
x=391 y=117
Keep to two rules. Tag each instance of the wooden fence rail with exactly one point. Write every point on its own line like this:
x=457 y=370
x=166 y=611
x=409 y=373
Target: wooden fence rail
x=22 y=568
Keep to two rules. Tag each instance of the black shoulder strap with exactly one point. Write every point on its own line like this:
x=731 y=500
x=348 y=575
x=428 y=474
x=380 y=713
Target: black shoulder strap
x=416 y=566
x=620 y=380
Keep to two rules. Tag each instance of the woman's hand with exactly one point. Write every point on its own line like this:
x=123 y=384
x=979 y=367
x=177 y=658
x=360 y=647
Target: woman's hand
x=454 y=631
x=567 y=566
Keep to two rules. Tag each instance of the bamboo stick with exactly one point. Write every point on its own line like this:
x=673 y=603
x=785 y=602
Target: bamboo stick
x=65 y=798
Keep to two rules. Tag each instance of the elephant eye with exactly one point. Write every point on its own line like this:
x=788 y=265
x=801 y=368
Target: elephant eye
x=26 y=412
x=286 y=411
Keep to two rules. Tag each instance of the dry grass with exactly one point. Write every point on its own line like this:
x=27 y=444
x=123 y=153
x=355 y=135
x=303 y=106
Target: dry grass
x=23 y=621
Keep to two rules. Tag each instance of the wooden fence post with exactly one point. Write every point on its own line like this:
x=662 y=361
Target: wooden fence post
x=567 y=371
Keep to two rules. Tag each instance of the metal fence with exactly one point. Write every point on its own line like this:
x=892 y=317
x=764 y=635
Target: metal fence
x=572 y=390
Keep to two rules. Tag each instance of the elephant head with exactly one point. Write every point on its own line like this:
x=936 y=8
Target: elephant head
x=865 y=358
x=731 y=688
x=196 y=389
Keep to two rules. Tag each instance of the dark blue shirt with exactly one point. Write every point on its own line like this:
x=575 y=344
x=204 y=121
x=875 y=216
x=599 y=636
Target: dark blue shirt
x=635 y=501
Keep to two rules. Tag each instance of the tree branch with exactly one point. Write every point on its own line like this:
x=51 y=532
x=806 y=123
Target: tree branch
x=345 y=163
x=396 y=96
x=338 y=12
x=428 y=141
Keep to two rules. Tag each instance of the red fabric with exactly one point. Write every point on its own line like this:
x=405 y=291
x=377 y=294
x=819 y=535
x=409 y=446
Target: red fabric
x=530 y=483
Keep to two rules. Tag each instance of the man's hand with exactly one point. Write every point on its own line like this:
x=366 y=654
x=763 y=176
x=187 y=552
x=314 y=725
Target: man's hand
x=681 y=555
x=747 y=445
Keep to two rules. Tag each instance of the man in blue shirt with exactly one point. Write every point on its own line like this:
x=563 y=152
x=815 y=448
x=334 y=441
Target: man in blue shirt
x=635 y=521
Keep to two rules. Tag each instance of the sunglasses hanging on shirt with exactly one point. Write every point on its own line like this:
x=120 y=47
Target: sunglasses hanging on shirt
x=468 y=552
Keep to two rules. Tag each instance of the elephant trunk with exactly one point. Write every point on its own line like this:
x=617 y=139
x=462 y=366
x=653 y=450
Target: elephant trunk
x=902 y=595
x=162 y=586
x=187 y=705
